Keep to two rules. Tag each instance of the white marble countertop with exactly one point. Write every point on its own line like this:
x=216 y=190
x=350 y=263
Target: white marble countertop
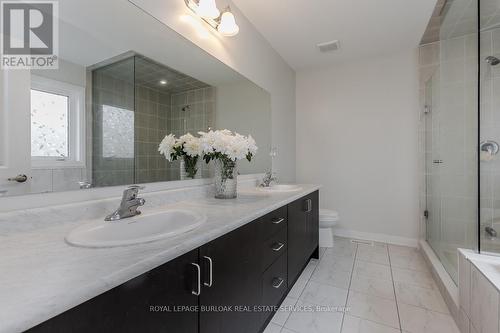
x=42 y=276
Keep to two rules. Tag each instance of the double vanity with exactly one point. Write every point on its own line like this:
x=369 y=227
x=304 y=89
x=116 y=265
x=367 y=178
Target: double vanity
x=75 y=259
x=224 y=270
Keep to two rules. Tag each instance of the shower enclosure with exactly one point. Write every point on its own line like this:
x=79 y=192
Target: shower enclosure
x=136 y=102
x=460 y=127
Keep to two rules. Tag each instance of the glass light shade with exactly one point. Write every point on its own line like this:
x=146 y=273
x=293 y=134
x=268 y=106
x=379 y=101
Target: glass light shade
x=228 y=26
x=207 y=9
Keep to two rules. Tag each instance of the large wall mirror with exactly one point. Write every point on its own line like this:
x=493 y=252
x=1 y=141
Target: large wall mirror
x=124 y=81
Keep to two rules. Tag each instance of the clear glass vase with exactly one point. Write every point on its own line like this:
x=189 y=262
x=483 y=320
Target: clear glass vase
x=226 y=179
x=190 y=167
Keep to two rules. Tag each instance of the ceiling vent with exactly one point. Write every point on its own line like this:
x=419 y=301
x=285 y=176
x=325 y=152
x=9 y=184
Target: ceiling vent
x=333 y=45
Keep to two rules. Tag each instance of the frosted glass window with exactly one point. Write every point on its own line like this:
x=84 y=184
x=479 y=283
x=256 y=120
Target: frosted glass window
x=49 y=124
x=117 y=132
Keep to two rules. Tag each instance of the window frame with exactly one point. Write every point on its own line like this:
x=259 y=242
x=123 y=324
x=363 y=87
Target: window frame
x=76 y=123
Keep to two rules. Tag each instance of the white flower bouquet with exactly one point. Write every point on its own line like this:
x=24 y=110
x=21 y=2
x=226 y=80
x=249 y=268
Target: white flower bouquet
x=226 y=145
x=226 y=148
x=186 y=147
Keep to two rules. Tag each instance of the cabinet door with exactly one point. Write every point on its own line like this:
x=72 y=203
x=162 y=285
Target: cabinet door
x=171 y=304
x=143 y=304
x=312 y=216
x=298 y=238
x=231 y=281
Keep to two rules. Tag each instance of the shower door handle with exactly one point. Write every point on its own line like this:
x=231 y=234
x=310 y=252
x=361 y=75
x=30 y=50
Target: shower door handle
x=18 y=178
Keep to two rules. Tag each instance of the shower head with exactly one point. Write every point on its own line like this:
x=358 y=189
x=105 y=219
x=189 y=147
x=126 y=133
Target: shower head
x=493 y=61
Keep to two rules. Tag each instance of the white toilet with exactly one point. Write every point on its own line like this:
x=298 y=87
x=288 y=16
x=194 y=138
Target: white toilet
x=327 y=220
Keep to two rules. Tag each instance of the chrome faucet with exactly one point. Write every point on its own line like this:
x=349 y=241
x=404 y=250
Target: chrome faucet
x=269 y=177
x=128 y=206
x=492 y=233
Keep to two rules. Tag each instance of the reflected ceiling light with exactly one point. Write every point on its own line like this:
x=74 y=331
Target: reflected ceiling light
x=225 y=23
x=207 y=9
x=163 y=82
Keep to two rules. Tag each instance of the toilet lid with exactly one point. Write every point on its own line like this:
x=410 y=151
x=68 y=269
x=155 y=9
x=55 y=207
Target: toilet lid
x=328 y=215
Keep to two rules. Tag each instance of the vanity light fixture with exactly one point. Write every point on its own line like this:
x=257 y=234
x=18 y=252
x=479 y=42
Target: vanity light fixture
x=207 y=9
x=227 y=25
x=224 y=22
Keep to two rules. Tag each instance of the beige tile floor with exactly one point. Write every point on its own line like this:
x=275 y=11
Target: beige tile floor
x=381 y=288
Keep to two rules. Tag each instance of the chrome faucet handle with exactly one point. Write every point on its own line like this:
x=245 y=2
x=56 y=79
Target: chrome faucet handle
x=269 y=177
x=136 y=187
x=131 y=192
x=129 y=204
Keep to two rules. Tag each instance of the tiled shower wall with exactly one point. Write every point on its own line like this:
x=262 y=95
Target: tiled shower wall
x=159 y=114
x=193 y=111
x=152 y=122
x=156 y=114
x=151 y=110
x=116 y=92
x=490 y=130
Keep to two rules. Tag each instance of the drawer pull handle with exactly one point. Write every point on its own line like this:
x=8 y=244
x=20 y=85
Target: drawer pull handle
x=277 y=282
x=210 y=274
x=277 y=246
x=198 y=291
x=308 y=205
x=278 y=220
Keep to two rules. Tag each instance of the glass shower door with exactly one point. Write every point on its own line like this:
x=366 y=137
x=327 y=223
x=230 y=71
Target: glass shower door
x=433 y=191
x=451 y=132
x=440 y=225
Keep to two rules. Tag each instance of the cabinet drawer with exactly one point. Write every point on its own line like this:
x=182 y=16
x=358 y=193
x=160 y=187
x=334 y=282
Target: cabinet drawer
x=275 y=282
x=273 y=222
x=273 y=247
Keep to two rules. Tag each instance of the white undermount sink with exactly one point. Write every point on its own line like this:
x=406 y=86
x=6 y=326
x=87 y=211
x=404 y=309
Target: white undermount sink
x=135 y=230
x=281 y=188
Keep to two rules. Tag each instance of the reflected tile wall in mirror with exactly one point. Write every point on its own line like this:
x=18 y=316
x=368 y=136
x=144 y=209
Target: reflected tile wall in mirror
x=136 y=103
x=113 y=129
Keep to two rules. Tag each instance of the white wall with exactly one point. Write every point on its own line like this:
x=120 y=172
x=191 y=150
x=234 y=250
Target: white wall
x=67 y=72
x=252 y=56
x=357 y=135
x=251 y=117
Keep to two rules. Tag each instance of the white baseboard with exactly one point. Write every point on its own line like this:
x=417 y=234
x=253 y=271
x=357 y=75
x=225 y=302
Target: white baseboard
x=390 y=239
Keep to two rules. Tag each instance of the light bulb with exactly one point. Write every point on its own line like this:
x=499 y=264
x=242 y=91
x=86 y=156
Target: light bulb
x=228 y=26
x=207 y=9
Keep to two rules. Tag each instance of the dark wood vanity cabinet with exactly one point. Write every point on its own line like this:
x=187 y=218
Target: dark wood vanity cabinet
x=273 y=251
x=227 y=285
x=303 y=235
x=231 y=282
x=160 y=300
